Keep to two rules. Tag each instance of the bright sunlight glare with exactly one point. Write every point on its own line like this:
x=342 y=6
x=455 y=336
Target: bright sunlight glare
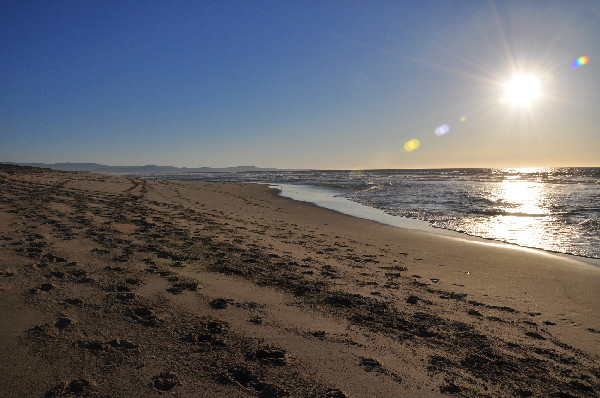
x=522 y=90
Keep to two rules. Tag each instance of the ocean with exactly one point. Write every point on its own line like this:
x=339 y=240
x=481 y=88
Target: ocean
x=551 y=209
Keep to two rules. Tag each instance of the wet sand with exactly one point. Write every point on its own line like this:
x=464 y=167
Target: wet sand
x=116 y=287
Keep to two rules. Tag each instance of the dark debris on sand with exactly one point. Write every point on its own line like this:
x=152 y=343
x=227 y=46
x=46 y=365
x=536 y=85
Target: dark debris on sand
x=517 y=368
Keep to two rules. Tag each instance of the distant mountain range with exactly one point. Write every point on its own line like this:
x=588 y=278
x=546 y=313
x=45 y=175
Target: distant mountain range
x=140 y=170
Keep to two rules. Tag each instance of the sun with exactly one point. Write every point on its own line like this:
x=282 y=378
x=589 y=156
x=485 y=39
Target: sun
x=522 y=90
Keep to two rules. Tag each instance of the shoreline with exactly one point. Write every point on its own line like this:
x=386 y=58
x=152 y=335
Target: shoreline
x=348 y=207
x=122 y=287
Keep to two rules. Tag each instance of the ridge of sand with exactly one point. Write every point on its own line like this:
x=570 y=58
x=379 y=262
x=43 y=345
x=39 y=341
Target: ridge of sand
x=124 y=288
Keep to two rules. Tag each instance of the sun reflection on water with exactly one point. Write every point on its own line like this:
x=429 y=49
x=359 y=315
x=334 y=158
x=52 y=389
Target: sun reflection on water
x=523 y=207
x=523 y=198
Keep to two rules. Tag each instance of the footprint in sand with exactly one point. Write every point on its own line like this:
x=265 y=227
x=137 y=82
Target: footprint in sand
x=76 y=387
x=73 y=301
x=165 y=381
x=219 y=303
x=45 y=287
x=335 y=393
x=535 y=335
x=272 y=356
x=247 y=379
x=369 y=364
x=145 y=316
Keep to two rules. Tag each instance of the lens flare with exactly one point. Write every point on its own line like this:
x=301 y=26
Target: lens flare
x=443 y=129
x=463 y=119
x=580 y=62
x=411 y=145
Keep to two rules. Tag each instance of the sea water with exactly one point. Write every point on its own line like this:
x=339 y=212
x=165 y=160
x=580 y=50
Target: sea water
x=552 y=209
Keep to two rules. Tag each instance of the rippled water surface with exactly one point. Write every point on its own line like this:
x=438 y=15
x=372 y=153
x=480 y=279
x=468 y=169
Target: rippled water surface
x=555 y=209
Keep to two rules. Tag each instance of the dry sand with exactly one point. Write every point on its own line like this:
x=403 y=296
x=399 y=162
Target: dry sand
x=115 y=287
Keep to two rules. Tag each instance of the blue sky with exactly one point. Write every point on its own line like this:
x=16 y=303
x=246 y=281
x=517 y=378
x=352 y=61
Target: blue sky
x=298 y=84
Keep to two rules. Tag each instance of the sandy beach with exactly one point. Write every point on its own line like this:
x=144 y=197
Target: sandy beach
x=120 y=287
